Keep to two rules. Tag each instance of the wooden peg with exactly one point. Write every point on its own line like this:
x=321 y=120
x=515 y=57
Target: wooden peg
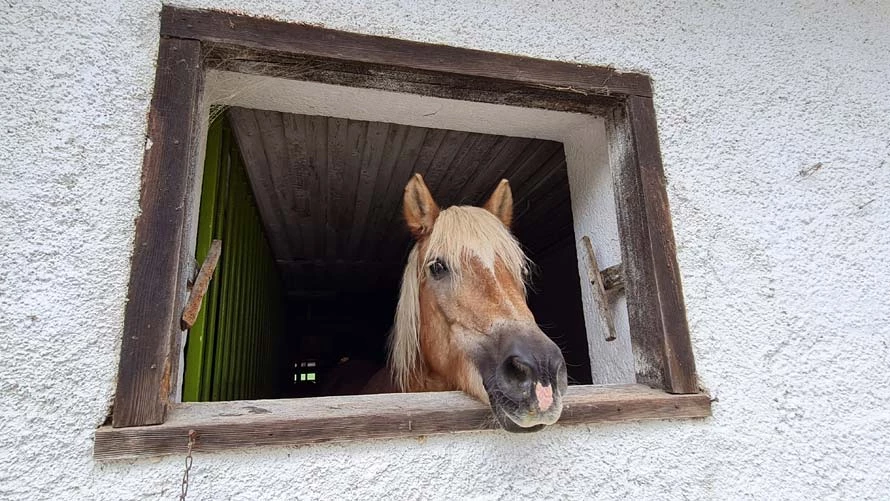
x=199 y=289
x=600 y=299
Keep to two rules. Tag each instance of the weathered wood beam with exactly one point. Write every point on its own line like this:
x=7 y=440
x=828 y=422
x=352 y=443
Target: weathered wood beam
x=158 y=275
x=657 y=315
x=224 y=426
x=598 y=291
x=199 y=289
x=299 y=39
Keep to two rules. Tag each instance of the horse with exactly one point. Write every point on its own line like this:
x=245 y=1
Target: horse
x=462 y=321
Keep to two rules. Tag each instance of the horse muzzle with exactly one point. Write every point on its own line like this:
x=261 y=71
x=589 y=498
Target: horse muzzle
x=525 y=378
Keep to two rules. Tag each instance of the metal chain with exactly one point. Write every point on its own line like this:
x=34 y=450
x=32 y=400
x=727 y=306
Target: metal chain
x=188 y=465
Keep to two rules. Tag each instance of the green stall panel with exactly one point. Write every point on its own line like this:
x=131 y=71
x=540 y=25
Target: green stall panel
x=231 y=351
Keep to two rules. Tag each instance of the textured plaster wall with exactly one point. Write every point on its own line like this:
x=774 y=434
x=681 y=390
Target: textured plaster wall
x=775 y=128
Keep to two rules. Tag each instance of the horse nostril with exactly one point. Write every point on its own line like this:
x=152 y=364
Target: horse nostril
x=561 y=378
x=519 y=370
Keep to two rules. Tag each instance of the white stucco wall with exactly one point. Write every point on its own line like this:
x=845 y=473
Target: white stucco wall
x=785 y=265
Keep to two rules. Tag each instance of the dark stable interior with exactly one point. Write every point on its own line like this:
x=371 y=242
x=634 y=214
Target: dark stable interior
x=329 y=192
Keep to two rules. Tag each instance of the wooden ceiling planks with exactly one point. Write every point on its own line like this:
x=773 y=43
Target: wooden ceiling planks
x=330 y=191
x=258 y=166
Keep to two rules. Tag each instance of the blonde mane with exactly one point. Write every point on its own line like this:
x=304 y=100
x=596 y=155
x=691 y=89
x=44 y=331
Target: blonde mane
x=459 y=234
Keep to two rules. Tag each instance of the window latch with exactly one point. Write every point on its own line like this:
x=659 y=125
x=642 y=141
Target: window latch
x=199 y=289
x=606 y=284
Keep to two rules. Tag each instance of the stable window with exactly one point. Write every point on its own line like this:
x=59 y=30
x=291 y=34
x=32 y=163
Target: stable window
x=317 y=199
x=596 y=179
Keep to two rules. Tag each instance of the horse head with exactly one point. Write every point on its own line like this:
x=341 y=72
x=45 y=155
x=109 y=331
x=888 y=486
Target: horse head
x=462 y=321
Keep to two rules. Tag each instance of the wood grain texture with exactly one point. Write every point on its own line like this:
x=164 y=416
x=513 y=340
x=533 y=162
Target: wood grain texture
x=636 y=254
x=598 y=291
x=252 y=61
x=613 y=279
x=679 y=365
x=231 y=425
x=202 y=282
x=338 y=184
x=659 y=331
x=157 y=281
x=251 y=144
x=277 y=37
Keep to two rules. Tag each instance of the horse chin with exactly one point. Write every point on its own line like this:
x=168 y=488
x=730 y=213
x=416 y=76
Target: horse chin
x=512 y=426
x=516 y=424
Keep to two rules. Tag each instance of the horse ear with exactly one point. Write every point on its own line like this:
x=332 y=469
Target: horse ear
x=501 y=203
x=419 y=207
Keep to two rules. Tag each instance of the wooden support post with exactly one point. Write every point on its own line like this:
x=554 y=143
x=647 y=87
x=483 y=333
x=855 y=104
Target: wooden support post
x=151 y=319
x=657 y=315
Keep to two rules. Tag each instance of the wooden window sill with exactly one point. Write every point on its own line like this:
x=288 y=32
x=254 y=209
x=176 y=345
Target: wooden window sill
x=224 y=426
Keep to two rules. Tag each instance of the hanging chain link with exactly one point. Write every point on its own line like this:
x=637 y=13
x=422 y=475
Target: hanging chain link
x=188 y=465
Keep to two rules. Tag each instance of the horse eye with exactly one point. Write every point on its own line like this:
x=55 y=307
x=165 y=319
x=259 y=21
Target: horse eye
x=438 y=269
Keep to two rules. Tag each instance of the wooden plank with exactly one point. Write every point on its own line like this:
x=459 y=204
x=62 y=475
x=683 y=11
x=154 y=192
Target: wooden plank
x=451 y=146
x=636 y=254
x=392 y=147
x=470 y=161
x=356 y=137
x=613 y=279
x=247 y=424
x=316 y=147
x=679 y=364
x=250 y=146
x=271 y=370
x=561 y=235
x=496 y=169
x=550 y=175
x=371 y=159
x=544 y=194
x=432 y=145
x=240 y=59
x=236 y=365
x=404 y=168
x=298 y=158
x=337 y=163
x=598 y=291
x=151 y=319
x=280 y=37
x=199 y=289
x=431 y=142
x=262 y=315
x=543 y=153
x=283 y=178
x=540 y=229
x=525 y=189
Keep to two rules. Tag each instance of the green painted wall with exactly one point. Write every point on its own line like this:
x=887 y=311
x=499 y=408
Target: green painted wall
x=232 y=350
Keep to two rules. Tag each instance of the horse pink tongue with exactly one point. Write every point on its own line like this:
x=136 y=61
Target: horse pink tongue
x=544 y=395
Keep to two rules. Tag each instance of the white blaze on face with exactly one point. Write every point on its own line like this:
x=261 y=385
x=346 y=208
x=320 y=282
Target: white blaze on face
x=544 y=394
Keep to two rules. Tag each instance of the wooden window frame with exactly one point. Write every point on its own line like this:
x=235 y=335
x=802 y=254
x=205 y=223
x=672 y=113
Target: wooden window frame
x=144 y=419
